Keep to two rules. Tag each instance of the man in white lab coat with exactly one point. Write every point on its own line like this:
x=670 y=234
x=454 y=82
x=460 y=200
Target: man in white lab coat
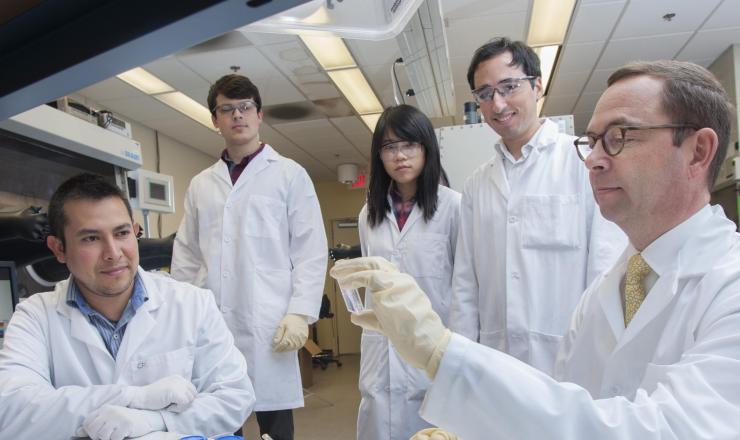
x=531 y=238
x=115 y=351
x=653 y=349
x=252 y=233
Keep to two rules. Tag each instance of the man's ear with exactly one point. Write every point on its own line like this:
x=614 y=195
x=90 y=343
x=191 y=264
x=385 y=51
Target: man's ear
x=137 y=230
x=56 y=246
x=703 y=152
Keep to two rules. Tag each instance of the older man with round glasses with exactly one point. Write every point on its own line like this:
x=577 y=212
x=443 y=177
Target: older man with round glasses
x=653 y=348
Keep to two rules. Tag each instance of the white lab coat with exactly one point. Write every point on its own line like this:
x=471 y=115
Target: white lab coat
x=672 y=374
x=55 y=369
x=392 y=390
x=526 y=253
x=260 y=246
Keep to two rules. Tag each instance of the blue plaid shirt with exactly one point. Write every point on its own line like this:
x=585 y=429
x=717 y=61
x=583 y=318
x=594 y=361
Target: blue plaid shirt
x=111 y=332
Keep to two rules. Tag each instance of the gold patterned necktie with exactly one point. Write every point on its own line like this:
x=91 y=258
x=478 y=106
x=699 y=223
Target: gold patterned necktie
x=634 y=288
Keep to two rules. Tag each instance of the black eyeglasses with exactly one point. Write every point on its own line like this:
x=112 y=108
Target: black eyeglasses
x=228 y=109
x=505 y=88
x=615 y=137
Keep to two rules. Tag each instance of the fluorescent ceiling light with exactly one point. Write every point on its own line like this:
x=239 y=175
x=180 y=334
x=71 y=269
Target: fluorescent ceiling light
x=145 y=81
x=354 y=86
x=548 y=55
x=371 y=120
x=188 y=106
x=330 y=52
x=549 y=22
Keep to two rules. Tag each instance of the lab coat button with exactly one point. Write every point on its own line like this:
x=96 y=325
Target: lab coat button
x=226 y=239
x=515 y=275
x=140 y=365
x=512 y=219
x=615 y=390
x=225 y=274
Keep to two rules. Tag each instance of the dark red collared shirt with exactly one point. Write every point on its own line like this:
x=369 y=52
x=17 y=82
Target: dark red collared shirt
x=235 y=169
x=401 y=209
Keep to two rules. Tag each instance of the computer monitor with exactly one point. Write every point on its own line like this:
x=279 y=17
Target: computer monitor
x=8 y=290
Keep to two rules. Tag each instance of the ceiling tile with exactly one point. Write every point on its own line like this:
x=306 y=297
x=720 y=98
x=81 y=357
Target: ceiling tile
x=457 y=9
x=579 y=58
x=565 y=85
x=111 y=88
x=586 y=103
x=726 y=15
x=559 y=105
x=709 y=44
x=594 y=22
x=644 y=18
x=620 y=52
x=356 y=131
x=173 y=72
x=314 y=136
x=597 y=81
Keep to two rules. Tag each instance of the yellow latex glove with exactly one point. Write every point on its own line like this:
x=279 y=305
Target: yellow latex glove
x=291 y=333
x=434 y=434
x=401 y=310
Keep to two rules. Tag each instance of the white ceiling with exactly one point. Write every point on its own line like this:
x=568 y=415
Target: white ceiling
x=603 y=35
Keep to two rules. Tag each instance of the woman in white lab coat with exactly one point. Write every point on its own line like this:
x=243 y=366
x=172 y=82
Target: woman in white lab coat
x=412 y=221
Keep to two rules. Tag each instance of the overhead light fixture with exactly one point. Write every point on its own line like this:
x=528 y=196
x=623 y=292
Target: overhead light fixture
x=371 y=120
x=548 y=25
x=354 y=86
x=188 y=106
x=156 y=88
x=329 y=51
x=549 y=22
x=145 y=81
x=548 y=55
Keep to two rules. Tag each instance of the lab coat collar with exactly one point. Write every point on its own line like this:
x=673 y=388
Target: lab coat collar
x=497 y=174
x=391 y=217
x=689 y=249
x=136 y=330
x=257 y=164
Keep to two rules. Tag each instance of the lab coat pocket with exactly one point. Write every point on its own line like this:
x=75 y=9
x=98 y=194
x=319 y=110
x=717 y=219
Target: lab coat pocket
x=551 y=221
x=148 y=368
x=428 y=256
x=264 y=217
x=373 y=363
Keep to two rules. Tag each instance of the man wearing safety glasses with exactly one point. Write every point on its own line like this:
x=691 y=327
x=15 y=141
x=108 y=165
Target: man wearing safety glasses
x=531 y=238
x=252 y=233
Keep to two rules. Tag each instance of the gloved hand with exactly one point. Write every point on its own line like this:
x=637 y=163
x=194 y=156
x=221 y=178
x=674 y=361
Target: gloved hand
x=434 y=434
x=29 y=224
x=291 y=333
x=401 y=310
x=112 y=422
x=171 y=390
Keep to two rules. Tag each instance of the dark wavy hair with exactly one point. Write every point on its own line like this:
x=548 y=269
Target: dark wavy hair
x=521 y=55
x=233 y=86
x=84 y=186
x=411 y=125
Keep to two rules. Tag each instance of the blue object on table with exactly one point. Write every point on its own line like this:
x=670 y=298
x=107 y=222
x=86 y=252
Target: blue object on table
x=230 y=437
x=193 y=437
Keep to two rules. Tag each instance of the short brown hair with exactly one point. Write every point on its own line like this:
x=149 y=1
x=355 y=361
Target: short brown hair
x=692 y=96
x=233 y=87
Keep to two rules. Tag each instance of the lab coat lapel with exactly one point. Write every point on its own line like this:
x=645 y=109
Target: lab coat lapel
x=83 y=331
x=657 y=299
x=498 y=175
x=257 y=165
x=139 y=328
x=610 y=298
x=413 y=217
